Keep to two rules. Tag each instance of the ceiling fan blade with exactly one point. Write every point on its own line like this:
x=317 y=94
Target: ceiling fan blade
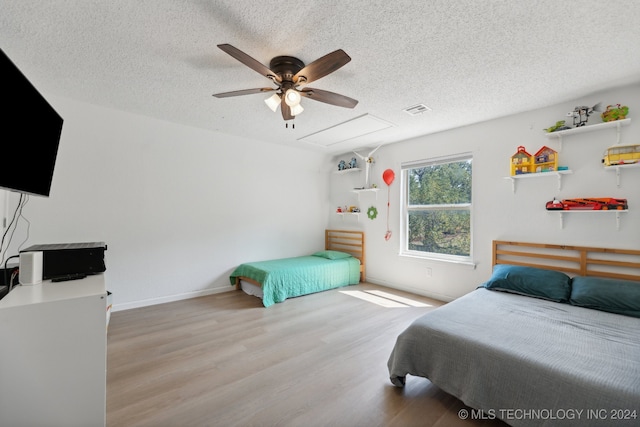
x=286 y=111
x=328 y=97
x=322 y=66
x=243 y=92
x=249 y=62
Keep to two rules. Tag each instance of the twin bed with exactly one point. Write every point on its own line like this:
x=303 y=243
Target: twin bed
x=341 y=263
x=553 y=338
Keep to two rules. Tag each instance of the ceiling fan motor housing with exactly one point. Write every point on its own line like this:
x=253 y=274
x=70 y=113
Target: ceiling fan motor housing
x=286 y=66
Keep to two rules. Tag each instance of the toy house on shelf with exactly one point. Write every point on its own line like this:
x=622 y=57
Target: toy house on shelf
x=546 y=159
x=522 y=162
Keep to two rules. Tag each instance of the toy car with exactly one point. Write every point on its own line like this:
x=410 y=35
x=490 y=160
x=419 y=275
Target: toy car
x=594 y=204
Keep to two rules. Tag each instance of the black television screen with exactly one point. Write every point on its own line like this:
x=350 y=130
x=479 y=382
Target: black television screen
x=31 y=134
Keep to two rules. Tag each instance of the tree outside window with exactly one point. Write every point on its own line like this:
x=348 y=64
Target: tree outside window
x=437 y=208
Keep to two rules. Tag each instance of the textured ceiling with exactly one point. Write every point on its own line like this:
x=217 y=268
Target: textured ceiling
x=467 y=60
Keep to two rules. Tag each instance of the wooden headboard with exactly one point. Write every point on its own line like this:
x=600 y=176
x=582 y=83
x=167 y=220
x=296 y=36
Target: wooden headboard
x=349 y=241
x=573 y=260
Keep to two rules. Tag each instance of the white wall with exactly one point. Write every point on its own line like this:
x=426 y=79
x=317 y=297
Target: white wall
x=498 y=213
x=178 y=207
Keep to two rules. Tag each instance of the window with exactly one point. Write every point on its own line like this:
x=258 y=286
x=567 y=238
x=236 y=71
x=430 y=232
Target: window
x=436 y=208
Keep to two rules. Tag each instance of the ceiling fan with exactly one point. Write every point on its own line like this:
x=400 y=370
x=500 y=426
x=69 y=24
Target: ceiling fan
x=290 y=74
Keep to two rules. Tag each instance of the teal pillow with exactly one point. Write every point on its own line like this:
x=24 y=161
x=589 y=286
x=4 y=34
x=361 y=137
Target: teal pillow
x=328 y=254
x=530 y=281
x=612 y=295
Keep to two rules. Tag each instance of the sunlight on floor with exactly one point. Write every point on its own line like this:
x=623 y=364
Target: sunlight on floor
x=404 y=300
x=385 y=299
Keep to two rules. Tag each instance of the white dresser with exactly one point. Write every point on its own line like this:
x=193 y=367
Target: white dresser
x=53 y=354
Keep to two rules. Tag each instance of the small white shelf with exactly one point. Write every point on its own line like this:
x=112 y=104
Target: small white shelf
x=588 y=128
x=557 y=174
x=348 y=170
x=617 y=168
x=343 y=214
x=366 y=190
x=594 y=212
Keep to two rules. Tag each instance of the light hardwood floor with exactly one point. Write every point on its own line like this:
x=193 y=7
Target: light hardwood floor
x=225 y=360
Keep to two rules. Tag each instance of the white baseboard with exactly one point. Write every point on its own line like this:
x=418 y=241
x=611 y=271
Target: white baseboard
x=170 y=298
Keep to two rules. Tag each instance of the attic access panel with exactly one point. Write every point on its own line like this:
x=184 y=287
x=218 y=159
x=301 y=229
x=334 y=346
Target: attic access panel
x=354 y=128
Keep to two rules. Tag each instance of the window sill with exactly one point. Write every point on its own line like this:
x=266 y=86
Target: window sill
x=461 y=262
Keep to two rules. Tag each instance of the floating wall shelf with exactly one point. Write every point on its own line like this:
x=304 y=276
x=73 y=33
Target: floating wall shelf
x=616 y=212
x=589 y=128
x=557 y=174
x=349 y=170
x=343 y=214
x=366 y=190
x=617 y=168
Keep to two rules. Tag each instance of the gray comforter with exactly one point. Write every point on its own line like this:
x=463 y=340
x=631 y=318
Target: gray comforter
x=527 y=361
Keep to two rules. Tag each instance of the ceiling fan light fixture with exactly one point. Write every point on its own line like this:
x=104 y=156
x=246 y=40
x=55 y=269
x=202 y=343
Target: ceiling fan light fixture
x=292 y=97
x=273 y=102
x=296 y=109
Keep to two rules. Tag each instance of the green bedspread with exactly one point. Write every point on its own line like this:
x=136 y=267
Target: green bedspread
x=292 y=277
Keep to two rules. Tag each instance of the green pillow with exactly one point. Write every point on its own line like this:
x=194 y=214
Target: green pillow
x=328 y=254
x=612 y=295
x=530 y=281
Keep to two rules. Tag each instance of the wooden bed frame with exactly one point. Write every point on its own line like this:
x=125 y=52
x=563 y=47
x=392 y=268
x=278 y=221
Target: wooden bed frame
x=349 y=241
x=572 y=260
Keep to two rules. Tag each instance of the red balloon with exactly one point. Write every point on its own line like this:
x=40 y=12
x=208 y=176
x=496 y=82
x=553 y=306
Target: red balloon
x=388 y=176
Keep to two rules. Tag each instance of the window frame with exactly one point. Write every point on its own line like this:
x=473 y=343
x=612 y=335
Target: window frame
x=405 y=208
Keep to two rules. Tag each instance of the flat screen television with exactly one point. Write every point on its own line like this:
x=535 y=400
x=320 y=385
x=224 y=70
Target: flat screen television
x=31 y=134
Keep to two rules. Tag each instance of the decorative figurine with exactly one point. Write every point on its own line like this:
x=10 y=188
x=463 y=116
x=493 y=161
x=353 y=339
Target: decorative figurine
x=581 y=114
x=546 y=159
x=558 y=126
x=554 y=205
x=621 y=155
x=521 y=162
x=590 y=204
x=613 y=113
x=342 y=165
x=372 y=212
x=368 y=160
x=352 y=163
